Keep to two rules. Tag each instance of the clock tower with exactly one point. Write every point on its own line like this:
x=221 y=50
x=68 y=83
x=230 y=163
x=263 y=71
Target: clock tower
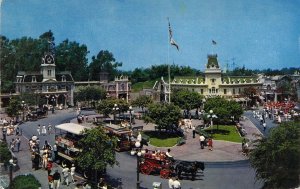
x=48 y=68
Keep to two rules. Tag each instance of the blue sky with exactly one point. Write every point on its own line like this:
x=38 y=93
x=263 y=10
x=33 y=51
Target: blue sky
x=255 y=33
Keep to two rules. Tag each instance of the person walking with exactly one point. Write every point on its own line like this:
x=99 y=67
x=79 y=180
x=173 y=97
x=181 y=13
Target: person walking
x=65 y=173
x=171 y=183
x=44 y=130
x=17 y=131
x=39 y=129
x=265 y=126
x=210 y=144
x=18 y=143
x=56 y=180
x=49 y=129
x=49 y=166
x=12 y=145
x=4 y=132
x=176 y=184
x=72 y=172
x=194 y=131
x=202 y=140
x=55 y=152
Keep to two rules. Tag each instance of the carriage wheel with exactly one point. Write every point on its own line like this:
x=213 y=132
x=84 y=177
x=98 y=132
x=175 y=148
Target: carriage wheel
x=145 y=168
x=86 y=174
x=164 y=173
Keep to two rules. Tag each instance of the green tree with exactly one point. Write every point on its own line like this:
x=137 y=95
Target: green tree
x=14 y=107
x=98 y=150
x=276 y=159
x=106 y=106
x=103 y=62
x=224 y=109
x=5 y=153
x=250 y=93
x=163 y=115
x=142 y=101
x=186 y=99
x=90 y=94
x=72 y=56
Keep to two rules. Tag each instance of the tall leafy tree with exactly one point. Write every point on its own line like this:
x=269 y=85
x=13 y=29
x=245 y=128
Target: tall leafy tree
x=186 y=99
x=98 y=150
x=223 y=108
x=106 y=106
x=90 y=93
x=250 y=93
x=103 y=62
x=163 y=115
x=7 y=60
x=14 y=107
x=72 y=56
x=142 y=101
x=276 y=159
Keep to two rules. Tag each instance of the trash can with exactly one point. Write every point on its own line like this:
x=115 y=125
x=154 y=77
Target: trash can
x=157 y=185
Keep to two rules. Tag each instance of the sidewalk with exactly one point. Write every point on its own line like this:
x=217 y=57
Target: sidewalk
x=25 y=165
x=223 y=151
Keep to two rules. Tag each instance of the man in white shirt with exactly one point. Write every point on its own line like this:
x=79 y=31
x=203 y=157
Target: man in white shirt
x=169 y=155
x=139 y=137
x=176 y=184
x=65 y=173
x=171 y=181
x=202 y=141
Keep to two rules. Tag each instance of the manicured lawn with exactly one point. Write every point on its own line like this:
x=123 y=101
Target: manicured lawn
x=225 y=132
x=161 y=139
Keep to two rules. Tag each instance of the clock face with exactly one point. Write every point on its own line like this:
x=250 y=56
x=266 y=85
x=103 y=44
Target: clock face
x=49 y=59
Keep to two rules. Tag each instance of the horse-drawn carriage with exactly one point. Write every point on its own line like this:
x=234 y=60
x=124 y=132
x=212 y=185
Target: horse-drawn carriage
x=157 y=163
x=160 y=163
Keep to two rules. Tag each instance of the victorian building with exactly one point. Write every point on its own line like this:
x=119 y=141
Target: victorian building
x=213 y=83
x=56 y=88
x=280 y=87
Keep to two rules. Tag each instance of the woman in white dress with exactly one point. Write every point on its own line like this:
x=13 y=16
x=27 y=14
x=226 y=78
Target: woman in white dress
x=44 y=130
x=72 y=172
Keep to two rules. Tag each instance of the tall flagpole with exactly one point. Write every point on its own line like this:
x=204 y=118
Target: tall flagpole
x=169 y=84
x=168 y=60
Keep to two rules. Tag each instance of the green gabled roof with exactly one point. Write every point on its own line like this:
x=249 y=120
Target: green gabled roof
x=189 y=78
x=240 y=79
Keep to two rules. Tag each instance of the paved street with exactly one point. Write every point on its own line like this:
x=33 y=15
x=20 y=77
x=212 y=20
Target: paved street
x=270 y=123
x=226 y=167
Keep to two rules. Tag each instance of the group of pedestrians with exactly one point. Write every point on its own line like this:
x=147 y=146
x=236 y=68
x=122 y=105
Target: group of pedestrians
x=205 y=142
x=44 y=130
x=174 y=183
x=262 y=116
x=56 y=179
x=15 y=144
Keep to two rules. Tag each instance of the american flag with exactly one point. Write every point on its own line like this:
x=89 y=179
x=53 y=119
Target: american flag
x=172 y=41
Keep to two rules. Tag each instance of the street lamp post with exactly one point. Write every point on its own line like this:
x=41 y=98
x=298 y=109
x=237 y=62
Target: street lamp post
x=138 y=152
x=130 y=116
x=23 y=109
x=11 y=165
x=115 y=109
x=211 y=115
x=53 y=103
x=203 y=102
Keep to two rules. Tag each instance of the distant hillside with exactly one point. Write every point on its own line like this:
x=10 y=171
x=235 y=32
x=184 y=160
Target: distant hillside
x=136 y=87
